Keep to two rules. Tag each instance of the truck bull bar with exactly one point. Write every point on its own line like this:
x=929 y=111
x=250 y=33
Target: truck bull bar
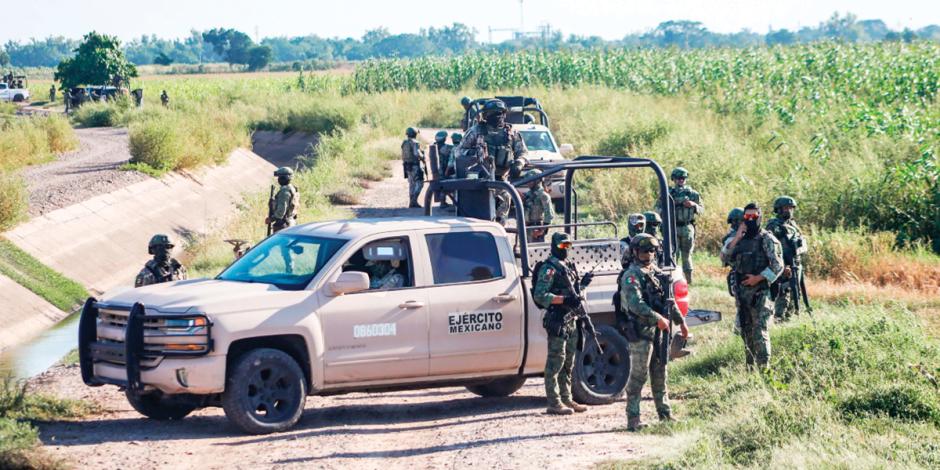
x=131 y=352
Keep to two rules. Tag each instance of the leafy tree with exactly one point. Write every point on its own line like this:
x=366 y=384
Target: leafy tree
x=682 y=33
x=45 y=53
x=229 y=44
x=403 y=45
x=780 y=36
x=98 y=60
x=258 y=57
x=162 y=59
x=456 y=38
x=4 y=58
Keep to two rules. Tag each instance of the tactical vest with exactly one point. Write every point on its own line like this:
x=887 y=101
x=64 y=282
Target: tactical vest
x=409 y=152
x=498 y=148
x=791 y=237
x=444 y=152
x=533 y=206
x=749 y=256
x=684 y=215
x=559 y=286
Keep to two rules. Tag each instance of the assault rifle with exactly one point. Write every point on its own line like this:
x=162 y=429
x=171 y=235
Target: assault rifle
x=665 y=303
x=271 y=208
x=481 y=158
x=580 y=314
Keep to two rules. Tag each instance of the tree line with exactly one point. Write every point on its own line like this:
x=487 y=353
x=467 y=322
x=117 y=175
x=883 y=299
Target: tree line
x=236 y=47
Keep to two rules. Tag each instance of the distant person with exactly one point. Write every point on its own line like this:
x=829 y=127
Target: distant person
x=794 y=247
x=687 y=204
x=445 y=153
x=164 y=99
x=52 y=94
x=412 y=159
x=538 y=207
x=138 y=95
x=284 y=205
x=465 y=103
x=162 y=268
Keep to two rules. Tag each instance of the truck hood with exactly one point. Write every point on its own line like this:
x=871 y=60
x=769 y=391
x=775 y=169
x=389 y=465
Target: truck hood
x=202 y=295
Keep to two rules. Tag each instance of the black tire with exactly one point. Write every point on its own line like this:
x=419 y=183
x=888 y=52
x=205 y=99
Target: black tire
x=18 y=98
x=265 y=392
x=601 y=379
x=499 y=387
x=156 y=405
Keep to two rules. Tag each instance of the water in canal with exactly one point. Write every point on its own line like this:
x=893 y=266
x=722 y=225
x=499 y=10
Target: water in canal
x=27 y=359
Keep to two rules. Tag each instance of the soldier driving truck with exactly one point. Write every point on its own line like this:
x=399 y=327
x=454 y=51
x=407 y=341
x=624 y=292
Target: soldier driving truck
x=369 y=305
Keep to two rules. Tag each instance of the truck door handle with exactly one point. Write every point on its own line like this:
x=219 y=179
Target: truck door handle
x=504 y=298
x=411 y=304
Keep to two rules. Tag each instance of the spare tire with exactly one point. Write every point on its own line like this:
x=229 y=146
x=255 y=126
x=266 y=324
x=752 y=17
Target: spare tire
x=499 y=387
x=600 y=378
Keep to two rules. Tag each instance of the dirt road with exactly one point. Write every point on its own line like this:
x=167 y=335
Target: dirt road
x=75 y=176
x=436 y=428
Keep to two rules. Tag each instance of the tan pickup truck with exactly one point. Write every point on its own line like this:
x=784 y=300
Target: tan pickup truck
x=350 y=305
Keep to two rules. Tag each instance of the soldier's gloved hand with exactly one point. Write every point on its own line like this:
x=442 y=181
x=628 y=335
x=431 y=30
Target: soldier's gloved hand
x=572 y=301
x=586 y=280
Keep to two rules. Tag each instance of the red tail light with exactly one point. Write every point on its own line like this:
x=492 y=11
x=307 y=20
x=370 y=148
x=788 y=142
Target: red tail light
x=681 y=290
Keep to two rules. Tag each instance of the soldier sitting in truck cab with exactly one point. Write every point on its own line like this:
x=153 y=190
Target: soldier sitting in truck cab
x=386 y=263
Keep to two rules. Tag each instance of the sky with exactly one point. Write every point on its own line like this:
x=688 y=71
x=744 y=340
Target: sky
x=610 y=19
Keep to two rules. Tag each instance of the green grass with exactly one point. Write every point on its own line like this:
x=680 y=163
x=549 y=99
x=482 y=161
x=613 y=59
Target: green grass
x=19 y=439
x=28 y=272
x=851 y=386
x=13 y=200
x=28 y=141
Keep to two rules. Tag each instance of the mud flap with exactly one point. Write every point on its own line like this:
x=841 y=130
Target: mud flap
x=134 y=346
x=87 y=334
x=698 y=317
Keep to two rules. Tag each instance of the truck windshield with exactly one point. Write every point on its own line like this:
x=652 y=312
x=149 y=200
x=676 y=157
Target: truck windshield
x=538 y=140
x=286 y=261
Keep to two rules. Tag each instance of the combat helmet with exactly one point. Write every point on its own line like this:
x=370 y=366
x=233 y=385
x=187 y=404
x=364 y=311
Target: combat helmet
x=465 y=101
x=644 y=242
x=159 y=240
x=456 y=137
x=679 y=172
x=411 y=132
x=636 y=223
x=782 y=202
x=440 y=137
x=652 y=218
x=735 y=216
x=494 y=106
x=284 y=171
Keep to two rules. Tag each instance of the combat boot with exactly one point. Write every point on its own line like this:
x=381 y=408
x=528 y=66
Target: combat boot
x=666 y=417
x=574 y=406
x=558 y=409
x=414 y=204
x=634 y=424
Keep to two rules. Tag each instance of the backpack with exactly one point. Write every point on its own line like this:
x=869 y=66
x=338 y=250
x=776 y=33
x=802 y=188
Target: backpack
x=535 y=274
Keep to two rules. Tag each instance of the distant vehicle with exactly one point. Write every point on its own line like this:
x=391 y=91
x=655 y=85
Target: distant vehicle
x=16 y=95
x=84 y=94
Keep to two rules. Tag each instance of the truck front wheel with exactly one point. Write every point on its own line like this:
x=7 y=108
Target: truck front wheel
x=499 y=387
x=265 y=392
x=156 y=405
x=599 y=378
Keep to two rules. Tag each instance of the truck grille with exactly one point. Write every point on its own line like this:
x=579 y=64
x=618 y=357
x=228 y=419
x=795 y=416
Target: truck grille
x=112 y=326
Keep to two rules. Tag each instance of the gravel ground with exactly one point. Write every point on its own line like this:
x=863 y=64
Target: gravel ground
x=81 y=174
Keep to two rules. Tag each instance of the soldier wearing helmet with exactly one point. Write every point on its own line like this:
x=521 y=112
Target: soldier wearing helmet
x=687 y=204
x=755 y=256
x=455 y=139
x=162 y=268
x=499 y=148
x=653 y=221
x=794 y=247
x=465 y=102
x=554 y=278
x=445 y=153
x=636 y=224
x=643 y=303
x=538 y=207
x=284 y=205
x=412 y=159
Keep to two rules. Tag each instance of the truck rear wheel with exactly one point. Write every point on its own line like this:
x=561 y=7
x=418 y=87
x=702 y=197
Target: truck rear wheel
x=600 y=378
x=265 y=392
x=156 y=405
x=499 y=387
x=19 y=98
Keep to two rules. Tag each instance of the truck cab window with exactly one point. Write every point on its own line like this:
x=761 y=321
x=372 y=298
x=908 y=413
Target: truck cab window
x=387 y=262
x=464 y=257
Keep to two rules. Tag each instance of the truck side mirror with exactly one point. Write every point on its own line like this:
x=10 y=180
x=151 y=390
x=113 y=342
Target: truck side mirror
x=566 y=150
x=350 y=282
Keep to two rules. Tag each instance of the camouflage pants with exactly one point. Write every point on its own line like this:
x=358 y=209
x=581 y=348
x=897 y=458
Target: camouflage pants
x=784 y=306
x=754 y=314
x=686 y=238
x=558 y=367
x=503 y=203
x=644 y=363
x=415 y=182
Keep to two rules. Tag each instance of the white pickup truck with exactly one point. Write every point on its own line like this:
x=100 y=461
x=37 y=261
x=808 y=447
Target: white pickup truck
x=351 y=305
x=16 y=95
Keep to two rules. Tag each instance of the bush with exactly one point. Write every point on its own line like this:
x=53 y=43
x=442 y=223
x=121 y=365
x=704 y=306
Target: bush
x=14 y=200
x=176 y=140
x=29 y=141
x=898 y=401
x=98 y=115
x=60 y=136
x=156 y=142
x=309 y=113
x=635 y=138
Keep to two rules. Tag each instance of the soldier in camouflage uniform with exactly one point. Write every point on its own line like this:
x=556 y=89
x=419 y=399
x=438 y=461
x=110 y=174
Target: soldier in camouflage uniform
x=552 y=293
x=643 y=299
x=794 y=247
x=445 y=154
x=164 y=99
x=456 y=138
x=755 y=256
x=285 y=205
x=636 y=224
x=688 y=204
x=163 y=267
x=538 y=207
x=502 y=147
x=465 y=103
x=412 y=158
x=653 y=221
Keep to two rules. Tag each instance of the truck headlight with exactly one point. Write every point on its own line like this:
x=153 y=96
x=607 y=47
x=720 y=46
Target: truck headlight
x=184 y=326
